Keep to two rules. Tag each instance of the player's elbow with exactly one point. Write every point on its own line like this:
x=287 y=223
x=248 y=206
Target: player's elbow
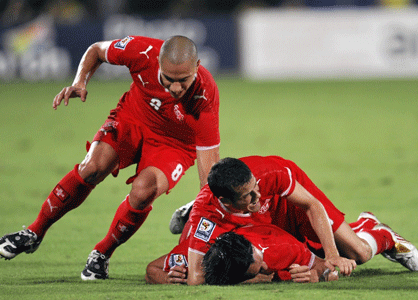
x=148 y=275
x=151 y=274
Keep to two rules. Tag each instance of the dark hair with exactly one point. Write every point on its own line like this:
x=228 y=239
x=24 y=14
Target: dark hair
x=228 y=260
x=226 y=175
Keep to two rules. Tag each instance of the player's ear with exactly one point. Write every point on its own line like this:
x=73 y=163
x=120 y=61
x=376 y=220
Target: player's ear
x=198 y=63
x=225 y=201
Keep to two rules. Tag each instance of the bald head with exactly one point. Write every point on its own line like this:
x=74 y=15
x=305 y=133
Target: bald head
x=178 y=49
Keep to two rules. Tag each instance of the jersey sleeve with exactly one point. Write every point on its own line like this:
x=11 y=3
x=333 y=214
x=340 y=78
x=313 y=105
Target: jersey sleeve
x=207 y=127
x=127 y=51
x=280 y=180
x=206 y=222
x=177 y=256
x=288 y=182
x=274 y=175
x=207 y=135
x=203 y=234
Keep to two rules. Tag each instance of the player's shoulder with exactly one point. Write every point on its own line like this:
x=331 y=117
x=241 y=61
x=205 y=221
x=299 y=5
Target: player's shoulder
x=137 y=43
x=204 y=92
x=204 y=197
x=203 y=204
x=204 y=77
x=263 y=161
x=265 y=166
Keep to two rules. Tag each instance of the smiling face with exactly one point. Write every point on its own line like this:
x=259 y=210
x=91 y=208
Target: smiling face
x=177 y=78
x=248 y=197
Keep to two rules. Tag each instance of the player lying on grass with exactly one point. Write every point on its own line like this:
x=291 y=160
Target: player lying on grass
x=234 y=259
x=254 y=253
x=273 y=190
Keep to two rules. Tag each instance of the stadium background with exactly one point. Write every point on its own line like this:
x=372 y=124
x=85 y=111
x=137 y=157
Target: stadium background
x=331 y=85
x=257 y=39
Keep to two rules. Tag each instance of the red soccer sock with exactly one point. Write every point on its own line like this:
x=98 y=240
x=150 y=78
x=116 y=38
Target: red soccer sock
x=68 y=194
x=379 y=240
x=126 y=222
x=363 y=223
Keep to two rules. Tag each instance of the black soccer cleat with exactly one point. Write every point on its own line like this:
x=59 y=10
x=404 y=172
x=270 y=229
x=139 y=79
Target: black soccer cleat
x=15 y=243
x=97 y=266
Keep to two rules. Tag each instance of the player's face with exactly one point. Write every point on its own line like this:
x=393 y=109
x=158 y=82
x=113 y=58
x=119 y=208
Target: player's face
x=258 y=266
x=178 y=78
x=249 y=197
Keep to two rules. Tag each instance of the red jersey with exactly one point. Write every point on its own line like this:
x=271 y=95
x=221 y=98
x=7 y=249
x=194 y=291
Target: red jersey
x=191 y=121
x=276 y=178
x=280 y=249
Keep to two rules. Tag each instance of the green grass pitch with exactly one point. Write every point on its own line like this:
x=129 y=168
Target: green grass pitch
x=357 y=140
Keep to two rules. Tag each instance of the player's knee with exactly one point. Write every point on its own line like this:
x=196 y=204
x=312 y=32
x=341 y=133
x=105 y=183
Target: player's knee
x=93 y=172
x=361 y=254
x=142 y=194
x=364 y=256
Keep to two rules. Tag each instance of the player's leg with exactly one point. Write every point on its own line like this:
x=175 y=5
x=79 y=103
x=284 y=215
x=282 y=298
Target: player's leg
x=351 y=245
x=383 y=240
x=132 y=212
x=67 y=195
x=364 y=242
x=159 y=170
x=130 y=215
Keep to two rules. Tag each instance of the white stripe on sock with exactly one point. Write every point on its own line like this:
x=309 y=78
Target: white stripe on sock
x=370 y=240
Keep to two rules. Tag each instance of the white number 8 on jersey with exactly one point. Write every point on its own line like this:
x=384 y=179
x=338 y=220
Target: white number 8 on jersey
x=178 y=171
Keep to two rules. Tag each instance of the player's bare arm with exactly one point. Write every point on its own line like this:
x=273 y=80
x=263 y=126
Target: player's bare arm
x=155 y=273
x=205 y=160
x=89 y=63
x=320 y=223
x=196 y=274
x=260 y=278
x=318 y=272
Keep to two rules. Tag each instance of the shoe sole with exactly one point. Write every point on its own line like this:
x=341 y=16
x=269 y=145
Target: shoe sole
x=92 y=276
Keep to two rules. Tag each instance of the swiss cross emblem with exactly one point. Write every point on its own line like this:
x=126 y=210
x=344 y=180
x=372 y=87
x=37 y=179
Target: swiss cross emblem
x=60 y=193
x=122 y=227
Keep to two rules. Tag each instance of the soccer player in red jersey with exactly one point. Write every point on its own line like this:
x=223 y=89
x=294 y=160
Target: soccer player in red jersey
x=247 y=252
x=273 y=190
x=168 y=119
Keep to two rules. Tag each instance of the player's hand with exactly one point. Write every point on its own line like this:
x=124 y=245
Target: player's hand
x=329 y=276
x=302 y=274
x=345 y=265
x=67 y=93
x=259 y=278
x=177 y=274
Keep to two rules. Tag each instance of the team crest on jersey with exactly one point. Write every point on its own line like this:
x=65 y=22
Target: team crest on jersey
x=265 y=207
x=177 y=260
x=178 y=113
x=204 y=229
x=123 y=42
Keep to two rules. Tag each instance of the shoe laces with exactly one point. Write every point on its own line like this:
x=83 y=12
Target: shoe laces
x=96 y=255
x=28 y=233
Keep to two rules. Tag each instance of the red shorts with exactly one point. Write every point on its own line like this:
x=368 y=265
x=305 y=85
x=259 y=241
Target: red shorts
x=135 y=144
